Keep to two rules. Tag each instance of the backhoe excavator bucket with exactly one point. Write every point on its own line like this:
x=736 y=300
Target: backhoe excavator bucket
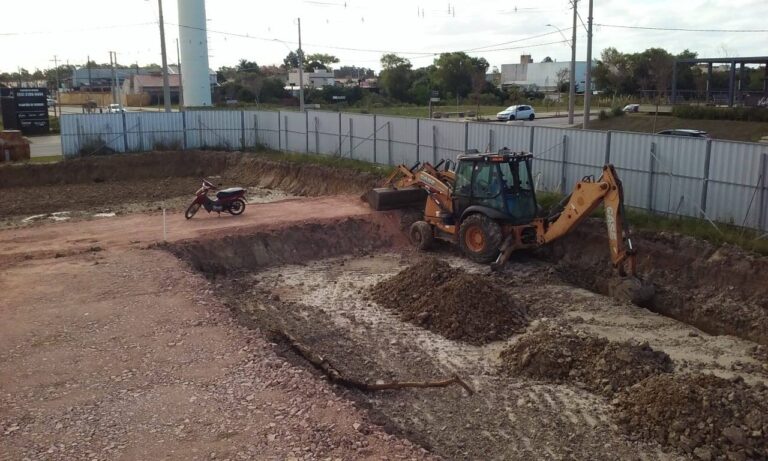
x=631 y=289
x=385 y=198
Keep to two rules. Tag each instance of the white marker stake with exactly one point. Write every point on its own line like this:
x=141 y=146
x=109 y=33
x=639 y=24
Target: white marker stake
x=165 y=231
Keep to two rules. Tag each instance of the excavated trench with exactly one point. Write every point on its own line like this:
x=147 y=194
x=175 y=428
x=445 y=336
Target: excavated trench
x=326 y=284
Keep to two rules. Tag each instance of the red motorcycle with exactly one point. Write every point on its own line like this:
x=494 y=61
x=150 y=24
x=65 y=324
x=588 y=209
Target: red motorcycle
x=231 y=200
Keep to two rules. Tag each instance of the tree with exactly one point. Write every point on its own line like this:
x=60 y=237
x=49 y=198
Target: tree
x=396 y=76
x=354 y=72
x=291 y=61
x=563 y=79
x=547 y=59
x=319 y=61
x=454 y=72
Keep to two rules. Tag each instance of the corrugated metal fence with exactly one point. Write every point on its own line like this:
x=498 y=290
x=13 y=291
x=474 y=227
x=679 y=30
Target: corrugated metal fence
x=720 y=180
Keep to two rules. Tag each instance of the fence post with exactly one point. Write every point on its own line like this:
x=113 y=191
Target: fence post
x=340 y=134
x=242 y=130
x=200 y=131
x=705 y=178
x=565 y=161
x=466 y=137
x=351 y=140
x=763 y=201
x=285 y=123
x=317 y=135
x=650 y=176
x=125 y=134
x=256 y=138
x=306 y=129
x=418 y=140
x=184 y=130
x=490 y=140
x=279 y=132
x=141 y=135
x=389 y=143
x=375 y=131
x=608 y=148
x=79 y=136
x=530 y=148
x=434 y=144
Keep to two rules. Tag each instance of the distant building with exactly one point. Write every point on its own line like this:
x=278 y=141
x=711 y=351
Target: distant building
x=151 y=85
x=541 y=75
x=315 y=79
x=84 y=79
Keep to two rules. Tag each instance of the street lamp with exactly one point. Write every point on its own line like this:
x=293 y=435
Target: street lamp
x=572 y=73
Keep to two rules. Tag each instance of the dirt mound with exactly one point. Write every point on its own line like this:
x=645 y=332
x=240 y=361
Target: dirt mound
x=703 y=415
x=720 y=290
x=560 y=354
x=451 y=302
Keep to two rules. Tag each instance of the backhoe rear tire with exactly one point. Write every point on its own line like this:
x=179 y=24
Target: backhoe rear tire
x=480 y=238
x=421 y=235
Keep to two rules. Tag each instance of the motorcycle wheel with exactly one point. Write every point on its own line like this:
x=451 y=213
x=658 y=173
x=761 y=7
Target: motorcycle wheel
x=237 y=207
x=191 y=210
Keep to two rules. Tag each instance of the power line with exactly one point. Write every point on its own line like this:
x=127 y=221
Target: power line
x=677 y=29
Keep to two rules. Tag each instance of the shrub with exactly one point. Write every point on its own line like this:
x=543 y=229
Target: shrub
x=603 y=115
x=617 y=111
x=95 y=146
x=746 y=114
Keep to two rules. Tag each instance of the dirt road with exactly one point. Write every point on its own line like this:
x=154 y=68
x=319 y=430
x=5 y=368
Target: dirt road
x=120 y=352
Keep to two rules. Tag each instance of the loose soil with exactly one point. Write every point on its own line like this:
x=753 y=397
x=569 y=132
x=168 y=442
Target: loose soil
x=719 y=290
x=564 y=355
x=152 y=181
x=451 y=302
x=702 y=415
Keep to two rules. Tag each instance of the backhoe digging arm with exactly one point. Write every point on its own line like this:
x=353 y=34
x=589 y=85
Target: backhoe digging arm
x=588 y=195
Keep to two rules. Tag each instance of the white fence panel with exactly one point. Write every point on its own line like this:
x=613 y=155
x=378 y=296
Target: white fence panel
x=214 y=129
x=89 y=131
x=396 y=140
x=324 y=134
x=440 y=140
x=154 y=131
x=262 y=128
x=294 y=127
x=736 y=174
x=631 y=155
x=549 y=151
x=357 y=137
x=678 y=171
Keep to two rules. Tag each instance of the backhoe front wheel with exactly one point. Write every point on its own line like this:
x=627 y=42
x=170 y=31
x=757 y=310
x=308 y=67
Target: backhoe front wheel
x=480 y=238
x=421 y=235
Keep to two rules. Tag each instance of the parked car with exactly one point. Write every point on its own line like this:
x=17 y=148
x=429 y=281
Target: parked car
x=517 y=113
x=51 y=102
x=115 y=109
x=685 y=133
x=632 y=108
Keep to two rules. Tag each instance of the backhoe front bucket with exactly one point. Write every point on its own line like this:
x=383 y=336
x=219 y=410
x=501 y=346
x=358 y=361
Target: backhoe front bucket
x=631 y=289
x=385 y=198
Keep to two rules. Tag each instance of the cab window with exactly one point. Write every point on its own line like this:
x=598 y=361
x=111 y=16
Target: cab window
x=463 y=185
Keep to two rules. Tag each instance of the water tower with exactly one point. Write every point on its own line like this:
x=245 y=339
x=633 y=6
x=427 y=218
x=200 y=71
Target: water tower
x=193 y=41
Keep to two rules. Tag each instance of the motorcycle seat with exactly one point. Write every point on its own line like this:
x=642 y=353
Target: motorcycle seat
x=232 y=191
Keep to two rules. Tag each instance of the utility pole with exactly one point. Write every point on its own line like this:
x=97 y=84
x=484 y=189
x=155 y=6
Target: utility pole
x=56 y=66
x=178 y=65
x=588 y=74
x=88 y=65
x=166 y=86
x=572 y=91
x=301 y=71
x=112 y=63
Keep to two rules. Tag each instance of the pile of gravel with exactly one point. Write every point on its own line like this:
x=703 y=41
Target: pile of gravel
x=560 y=354
x=452 y=303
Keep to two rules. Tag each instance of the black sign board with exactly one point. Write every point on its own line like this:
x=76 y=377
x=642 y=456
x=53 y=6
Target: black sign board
x=25 y=109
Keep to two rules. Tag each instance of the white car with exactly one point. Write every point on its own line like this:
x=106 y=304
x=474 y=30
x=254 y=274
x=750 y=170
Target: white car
x=521 y=112
x=115 y=109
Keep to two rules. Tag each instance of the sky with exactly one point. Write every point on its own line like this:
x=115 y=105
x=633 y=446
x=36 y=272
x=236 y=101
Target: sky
x=358 y=32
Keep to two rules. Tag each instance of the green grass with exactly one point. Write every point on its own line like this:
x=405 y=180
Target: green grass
x=747 y=239
x=46 y=159
x=718 y=129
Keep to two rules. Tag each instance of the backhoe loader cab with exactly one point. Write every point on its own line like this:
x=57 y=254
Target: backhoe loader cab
x=498 y=185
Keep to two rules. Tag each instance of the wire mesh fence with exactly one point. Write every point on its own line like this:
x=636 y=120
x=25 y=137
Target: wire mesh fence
x=719 y=180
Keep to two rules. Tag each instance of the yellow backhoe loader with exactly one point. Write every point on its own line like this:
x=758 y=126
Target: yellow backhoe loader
x=486 y=203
